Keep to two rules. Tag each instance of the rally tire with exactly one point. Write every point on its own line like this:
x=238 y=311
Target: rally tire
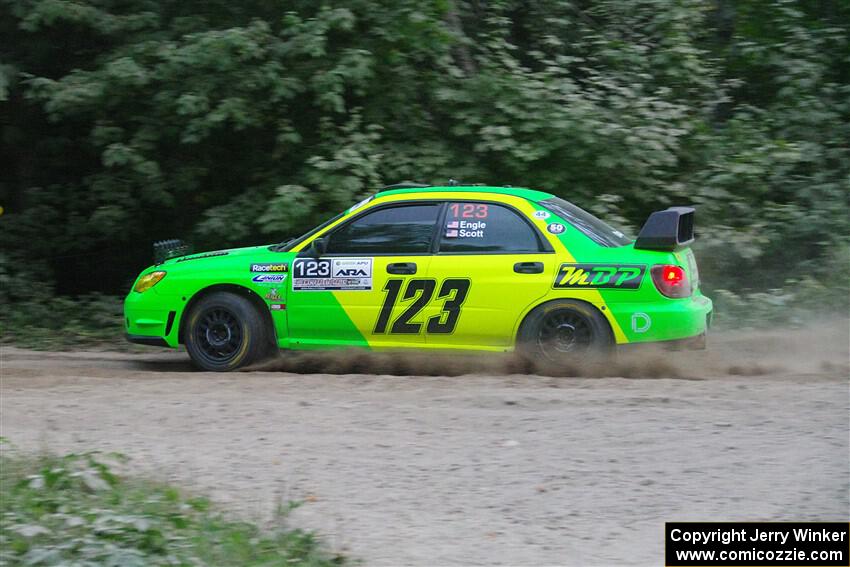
x=224 y=331
x=564 y=331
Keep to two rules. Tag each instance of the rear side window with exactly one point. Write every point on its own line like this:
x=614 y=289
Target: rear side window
x=597 y=230
x=404 y=229
x=486 y=228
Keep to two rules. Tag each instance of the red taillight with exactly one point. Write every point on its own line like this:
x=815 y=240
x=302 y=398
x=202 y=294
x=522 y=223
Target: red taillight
x=672 y=274
x=671 y=281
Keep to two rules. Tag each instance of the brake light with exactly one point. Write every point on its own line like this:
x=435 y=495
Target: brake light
x=671 y=281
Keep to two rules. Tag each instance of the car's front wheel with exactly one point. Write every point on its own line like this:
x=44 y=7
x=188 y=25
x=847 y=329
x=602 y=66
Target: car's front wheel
x=564 y=331
x=225 y=331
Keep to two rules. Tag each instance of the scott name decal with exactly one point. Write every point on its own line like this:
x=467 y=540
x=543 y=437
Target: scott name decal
x=596 y=276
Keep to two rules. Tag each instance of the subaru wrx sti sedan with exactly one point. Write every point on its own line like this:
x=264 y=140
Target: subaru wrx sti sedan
x=459 y=267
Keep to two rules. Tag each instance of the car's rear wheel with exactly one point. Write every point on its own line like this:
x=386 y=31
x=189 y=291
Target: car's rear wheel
x=225 y=331
x=564 y=331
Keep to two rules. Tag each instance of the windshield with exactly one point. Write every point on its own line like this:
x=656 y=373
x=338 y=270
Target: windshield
x=597 y=230
x=288 y=245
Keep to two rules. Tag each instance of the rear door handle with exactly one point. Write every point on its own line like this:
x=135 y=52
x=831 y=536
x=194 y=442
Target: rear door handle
x=402 y=268
x=528 y=267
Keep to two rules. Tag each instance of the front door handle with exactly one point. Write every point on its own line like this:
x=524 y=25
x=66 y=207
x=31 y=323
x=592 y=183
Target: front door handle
x=528 y=267
x=402 y=268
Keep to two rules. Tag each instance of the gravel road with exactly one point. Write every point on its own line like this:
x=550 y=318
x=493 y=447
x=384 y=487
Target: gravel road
x=470 y=470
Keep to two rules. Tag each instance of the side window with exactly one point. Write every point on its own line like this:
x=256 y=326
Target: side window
x=485 y=227
x=405 y=229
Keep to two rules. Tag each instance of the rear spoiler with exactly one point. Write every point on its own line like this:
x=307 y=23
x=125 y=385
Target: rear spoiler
x=667 y=230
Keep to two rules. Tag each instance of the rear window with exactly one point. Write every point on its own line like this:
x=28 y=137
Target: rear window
x=597 y=230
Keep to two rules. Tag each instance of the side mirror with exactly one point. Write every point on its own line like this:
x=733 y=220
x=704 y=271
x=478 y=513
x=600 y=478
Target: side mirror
x=318 y=247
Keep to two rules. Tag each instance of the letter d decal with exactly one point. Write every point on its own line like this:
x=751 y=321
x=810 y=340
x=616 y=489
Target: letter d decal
x=641 y=322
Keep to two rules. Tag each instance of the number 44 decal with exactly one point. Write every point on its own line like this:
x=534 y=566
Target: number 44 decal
x=452 y=292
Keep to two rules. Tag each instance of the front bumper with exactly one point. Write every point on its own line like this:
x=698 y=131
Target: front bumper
x=148 y=320
x=148 y=341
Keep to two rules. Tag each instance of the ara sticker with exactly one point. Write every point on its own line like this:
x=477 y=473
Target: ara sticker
x=332 y=274
x=556 y=228
x=542 y=215
x=269 y=278
x=278 y=306
x=595 y=276
x=270 y=267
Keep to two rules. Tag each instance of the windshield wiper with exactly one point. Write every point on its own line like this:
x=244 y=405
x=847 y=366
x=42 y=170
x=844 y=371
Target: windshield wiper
x=281 y=245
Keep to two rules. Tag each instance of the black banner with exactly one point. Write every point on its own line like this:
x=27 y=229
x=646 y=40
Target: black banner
x=599 y=276
x=762 y=544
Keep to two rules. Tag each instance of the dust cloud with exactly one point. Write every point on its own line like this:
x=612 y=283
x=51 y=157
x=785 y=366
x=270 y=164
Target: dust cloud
x=818 y=348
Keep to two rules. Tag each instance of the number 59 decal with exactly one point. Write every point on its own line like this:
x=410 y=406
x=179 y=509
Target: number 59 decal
x=453 y=292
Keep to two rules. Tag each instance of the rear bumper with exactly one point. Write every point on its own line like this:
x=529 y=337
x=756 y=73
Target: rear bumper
x=666 y=321
x=697 y=342
x=691 y=343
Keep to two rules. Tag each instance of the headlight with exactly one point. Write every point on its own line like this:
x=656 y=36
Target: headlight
x=147 y=281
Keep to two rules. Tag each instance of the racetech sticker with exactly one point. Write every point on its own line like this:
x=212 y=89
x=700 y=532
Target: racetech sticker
x=278 y=267
x=607 y=276
x=332 y=274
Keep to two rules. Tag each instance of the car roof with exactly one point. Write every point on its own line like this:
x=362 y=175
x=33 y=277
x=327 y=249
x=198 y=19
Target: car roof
x=530 y=194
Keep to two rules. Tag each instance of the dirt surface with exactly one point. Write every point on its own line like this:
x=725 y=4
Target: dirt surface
x=477 y=469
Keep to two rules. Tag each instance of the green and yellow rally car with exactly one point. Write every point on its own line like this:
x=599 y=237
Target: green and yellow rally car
x=421 y=267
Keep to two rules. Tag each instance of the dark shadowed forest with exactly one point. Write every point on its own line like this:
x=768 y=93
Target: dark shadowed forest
x=235 y=123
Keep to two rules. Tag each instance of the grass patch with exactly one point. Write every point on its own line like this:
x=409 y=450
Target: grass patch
x=76 y=510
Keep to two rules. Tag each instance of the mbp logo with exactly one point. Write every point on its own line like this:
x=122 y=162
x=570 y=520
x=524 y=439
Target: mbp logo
x=599 y=276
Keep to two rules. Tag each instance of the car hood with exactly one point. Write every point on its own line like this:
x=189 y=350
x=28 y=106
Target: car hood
x=229 y=253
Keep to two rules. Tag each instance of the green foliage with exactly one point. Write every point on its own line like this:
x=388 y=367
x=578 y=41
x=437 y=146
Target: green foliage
x=61 y=323
x=76 y=510
x=237 y=123
x=33 y=316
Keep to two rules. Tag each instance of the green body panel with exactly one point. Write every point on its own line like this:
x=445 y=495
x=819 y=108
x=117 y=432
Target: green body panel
x=498 y=301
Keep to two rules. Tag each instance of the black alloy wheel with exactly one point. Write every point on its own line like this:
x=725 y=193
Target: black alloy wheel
x=225 y=331
x=564 y=331
x=219 y=335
